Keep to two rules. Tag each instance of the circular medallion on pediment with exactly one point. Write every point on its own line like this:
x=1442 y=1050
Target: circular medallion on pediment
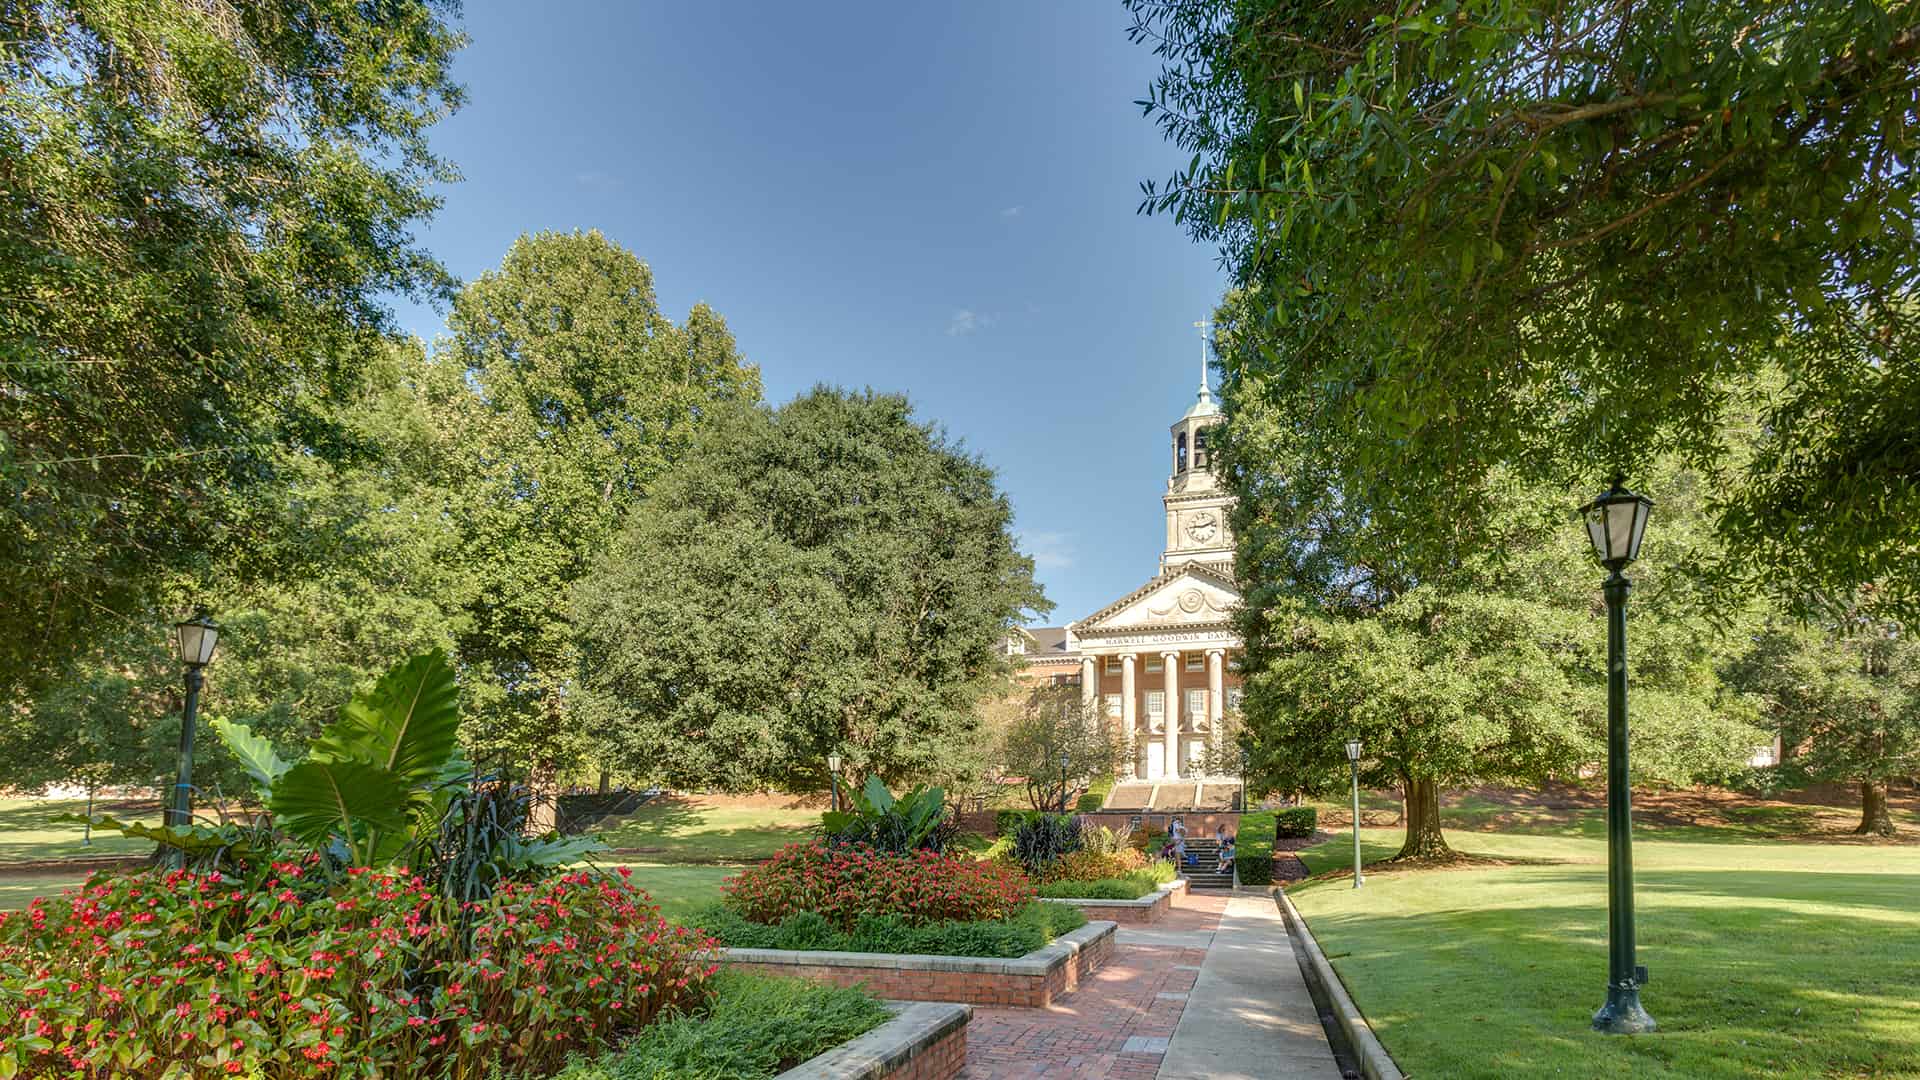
x=1192 y=601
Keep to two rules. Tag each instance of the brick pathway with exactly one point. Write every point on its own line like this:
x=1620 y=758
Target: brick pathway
x=1117 y=1025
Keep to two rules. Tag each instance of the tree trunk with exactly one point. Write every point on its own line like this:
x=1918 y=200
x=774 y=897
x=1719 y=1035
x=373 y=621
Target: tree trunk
x=1424 y=839
x=543 y=812
x=606 y=782
x=1875 y=818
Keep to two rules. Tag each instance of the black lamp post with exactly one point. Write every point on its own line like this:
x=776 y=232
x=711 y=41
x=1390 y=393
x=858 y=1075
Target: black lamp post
x=1616 y=522
x=1063 y=781
x=196 y=639
x=833 y=777
x=1353 y=762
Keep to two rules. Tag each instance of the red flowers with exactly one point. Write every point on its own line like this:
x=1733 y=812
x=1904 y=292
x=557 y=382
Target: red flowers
x=240 y=980
x=844 y=882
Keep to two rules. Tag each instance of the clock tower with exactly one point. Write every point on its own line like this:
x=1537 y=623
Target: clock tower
x=1196 y=504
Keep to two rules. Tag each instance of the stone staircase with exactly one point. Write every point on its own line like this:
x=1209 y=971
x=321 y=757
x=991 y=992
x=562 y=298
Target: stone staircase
x=1200 y=872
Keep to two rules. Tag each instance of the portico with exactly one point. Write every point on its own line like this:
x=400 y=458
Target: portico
x=1162 y=661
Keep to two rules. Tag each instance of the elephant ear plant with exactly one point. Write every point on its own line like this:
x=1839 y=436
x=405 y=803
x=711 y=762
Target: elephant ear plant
x=383 y=784
x=911 y=822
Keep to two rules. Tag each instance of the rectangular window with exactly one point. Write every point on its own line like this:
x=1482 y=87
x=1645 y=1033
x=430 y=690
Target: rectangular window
x=1196 y=706
x=1156 y=710
x=1113 y=665
x=1113 y=706
x=1196 y=661
x=1154 y=665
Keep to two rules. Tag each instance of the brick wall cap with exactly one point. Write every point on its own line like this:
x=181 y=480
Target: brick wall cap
x=916 y=1027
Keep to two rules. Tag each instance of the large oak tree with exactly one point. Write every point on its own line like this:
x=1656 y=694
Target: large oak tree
x=1571 y=239
x=829 y=575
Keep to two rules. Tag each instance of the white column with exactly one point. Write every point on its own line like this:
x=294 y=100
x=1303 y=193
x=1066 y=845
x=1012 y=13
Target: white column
x=1172 y=662
x=1216 y=694
x=1128 y=713
x=1089 y=682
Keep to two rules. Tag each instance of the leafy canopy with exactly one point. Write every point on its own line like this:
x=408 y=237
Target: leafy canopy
x=828 y=575
x=1570 y=240
x=205 y=208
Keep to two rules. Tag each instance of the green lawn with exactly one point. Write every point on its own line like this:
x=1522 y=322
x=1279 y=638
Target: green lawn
x=679 y=889
x=695 y=829
x=27 y=833
x=1766 y=958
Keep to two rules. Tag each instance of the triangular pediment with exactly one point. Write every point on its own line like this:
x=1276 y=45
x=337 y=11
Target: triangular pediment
x=1189 y=595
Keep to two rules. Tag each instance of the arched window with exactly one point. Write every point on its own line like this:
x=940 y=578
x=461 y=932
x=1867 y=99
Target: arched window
x=1200 y=449
x=1180 y=454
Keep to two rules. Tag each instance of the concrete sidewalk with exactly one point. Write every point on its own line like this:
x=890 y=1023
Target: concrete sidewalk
x=1249 y=1014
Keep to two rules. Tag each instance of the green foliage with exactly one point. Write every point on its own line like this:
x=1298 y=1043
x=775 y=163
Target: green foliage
x=1294 y=823
x=559 y=396
x=205 y=847
x=1100 y=840
x=1089 y=802
x=1037 y=727
x=1253 y=847
x=206 y=210
x=1043 y=839
x=831 y=575
x=1845 y=701
x=752 y=1028
x=1026 y=929
x=1569 y=241
x=917 y=819
x=1114 y=888
x=1007 y=821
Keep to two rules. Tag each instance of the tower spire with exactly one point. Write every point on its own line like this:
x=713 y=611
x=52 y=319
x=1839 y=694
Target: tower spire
x=1203 y=326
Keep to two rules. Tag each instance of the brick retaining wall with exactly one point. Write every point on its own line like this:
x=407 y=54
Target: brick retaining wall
x=1144 y=911
x=1030 y=981
x=923 y=1041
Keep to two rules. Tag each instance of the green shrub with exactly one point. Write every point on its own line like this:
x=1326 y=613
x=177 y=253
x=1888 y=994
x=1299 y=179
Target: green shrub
x=1028 y=929
x=1089 y=802
x=1128 y=886
x=1253 y=855
x=1038 y=842
x=1296 y=823
x=1006 y=822
x=876 y=819
x=755 y=1026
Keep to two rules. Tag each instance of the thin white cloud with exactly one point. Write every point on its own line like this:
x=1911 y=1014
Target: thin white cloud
x=597 y=180
x=966 y=321
x=1048 y=550
x=1011 y=212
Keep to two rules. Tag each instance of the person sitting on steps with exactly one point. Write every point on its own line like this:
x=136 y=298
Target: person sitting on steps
x=1226 y=857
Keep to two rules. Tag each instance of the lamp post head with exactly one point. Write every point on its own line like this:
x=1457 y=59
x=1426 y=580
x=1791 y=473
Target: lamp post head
x=1353 y=751
x=195 y=640
x=1063 y=761
x=1616 y=522
x=833 y=764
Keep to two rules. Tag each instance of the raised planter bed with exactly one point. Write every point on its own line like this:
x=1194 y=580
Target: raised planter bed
x=1031 y=981
x=925 y=1040
x=1143 y=911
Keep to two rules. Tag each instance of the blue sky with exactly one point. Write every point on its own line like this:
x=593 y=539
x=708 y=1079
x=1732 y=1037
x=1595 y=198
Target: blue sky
x=932 y=199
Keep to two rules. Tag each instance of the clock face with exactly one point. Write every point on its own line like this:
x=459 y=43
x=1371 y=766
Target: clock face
x=1202 y=526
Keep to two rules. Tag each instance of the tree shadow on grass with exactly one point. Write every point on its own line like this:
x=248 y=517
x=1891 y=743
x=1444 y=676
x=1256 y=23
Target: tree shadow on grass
x=681 y=829
x=1746 y=980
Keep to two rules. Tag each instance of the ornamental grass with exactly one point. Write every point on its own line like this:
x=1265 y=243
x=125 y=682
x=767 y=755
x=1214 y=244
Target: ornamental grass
x=157 y=976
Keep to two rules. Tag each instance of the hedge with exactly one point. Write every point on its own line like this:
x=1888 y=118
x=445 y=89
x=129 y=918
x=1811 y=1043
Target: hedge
x=1253 y=854
x=1028 y=929
x=1296 y=823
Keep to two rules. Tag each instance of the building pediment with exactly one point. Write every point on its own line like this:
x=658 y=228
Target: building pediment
x=1185 y=597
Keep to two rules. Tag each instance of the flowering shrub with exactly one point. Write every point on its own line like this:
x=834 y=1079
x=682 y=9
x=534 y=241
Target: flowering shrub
x=187 y=975
x=844 y=882
x=1092 y=866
